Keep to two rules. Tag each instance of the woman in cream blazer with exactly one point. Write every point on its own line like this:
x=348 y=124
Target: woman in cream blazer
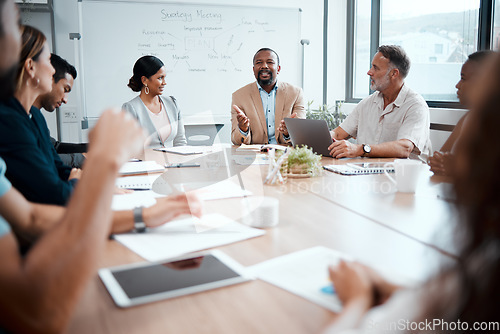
x=158 y=115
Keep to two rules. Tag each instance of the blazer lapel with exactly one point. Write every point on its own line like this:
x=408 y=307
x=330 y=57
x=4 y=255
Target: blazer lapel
x=279 y=111
x=257 y=102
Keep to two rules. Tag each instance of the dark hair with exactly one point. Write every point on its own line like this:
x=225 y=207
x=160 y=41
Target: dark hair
x=477 y=182
x=480 y=56
x=397 y=57
x=145 y=66
x=32 y=41
x=62 y=67
x=267 y=49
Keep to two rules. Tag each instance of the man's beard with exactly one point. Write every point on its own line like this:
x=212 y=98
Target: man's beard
x=266 y=82
x=8 y=83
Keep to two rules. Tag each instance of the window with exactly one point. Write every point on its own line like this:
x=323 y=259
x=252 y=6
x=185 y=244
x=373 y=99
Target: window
x=495 y=36
x=362 y=57
x=437 y=35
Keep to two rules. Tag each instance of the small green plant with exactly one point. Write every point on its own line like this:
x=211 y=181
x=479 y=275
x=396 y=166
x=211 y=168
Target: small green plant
x=333 y=117
x=302 y=160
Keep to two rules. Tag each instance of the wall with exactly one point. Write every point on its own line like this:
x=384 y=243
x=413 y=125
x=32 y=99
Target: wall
x=66 y=21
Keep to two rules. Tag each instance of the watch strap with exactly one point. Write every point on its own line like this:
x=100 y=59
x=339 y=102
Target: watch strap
x=139 y=224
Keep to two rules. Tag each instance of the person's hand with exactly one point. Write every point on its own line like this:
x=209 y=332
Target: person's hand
x=283 y=128
x=383 y=289
x=345 y=149
x=117 y=136
x=441 y=163
x=243 y=121
x=168 y=208
x=76 y=173
x=352 y=284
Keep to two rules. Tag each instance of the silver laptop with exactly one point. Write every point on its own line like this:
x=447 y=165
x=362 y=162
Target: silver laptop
x=311 y=132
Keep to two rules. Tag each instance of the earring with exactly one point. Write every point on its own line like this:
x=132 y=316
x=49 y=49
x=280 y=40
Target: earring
x=37 y=82
x=146 y=89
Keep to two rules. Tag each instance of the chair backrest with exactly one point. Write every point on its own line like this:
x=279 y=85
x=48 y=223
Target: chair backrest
x=202 y=134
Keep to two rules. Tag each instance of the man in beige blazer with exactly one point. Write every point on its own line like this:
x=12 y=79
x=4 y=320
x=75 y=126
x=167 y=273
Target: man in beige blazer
x=260 y=107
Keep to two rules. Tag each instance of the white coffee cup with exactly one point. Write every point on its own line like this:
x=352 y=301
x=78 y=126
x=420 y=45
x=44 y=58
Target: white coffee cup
x=407 y=174
x=260 y=211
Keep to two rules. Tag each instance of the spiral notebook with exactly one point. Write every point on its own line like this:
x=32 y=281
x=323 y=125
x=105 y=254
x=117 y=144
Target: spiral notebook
x=359 y=168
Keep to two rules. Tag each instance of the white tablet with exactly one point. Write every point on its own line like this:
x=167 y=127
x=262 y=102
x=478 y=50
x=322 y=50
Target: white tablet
x=141 y=283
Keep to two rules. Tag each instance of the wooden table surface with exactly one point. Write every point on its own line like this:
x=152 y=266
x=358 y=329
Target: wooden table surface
x=392 y=232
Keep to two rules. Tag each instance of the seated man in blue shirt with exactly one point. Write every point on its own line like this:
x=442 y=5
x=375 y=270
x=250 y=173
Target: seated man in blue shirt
x=258 y=109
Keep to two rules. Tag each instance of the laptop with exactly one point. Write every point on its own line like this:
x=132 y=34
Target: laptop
x=311 y=132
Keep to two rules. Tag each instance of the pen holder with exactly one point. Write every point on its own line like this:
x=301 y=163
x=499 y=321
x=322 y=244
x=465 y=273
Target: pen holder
x=278 y=167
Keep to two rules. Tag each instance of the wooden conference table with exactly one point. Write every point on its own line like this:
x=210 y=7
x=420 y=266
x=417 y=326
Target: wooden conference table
x=400 y=235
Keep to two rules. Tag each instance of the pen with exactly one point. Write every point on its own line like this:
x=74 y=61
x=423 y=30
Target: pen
x=182 y=165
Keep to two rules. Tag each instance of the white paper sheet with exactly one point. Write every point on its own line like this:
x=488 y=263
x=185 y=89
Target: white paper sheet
x=207 y=191
x=186 y=236
x=186 y=150
x=304 y=273
x=137 y=198
x=247 y=160
x=136 y=182
x=140 y=167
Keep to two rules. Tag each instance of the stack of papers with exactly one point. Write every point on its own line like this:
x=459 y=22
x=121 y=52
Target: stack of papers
x=187 y=235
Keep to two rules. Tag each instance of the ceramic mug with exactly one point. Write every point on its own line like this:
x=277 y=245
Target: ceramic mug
x=407 y=173
x=260 y=211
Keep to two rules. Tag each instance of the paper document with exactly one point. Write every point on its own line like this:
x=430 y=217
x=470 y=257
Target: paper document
x=207 y=191
x=185 y=150
x=136 y=182
x=140 y=167
x=247 y=160
x=135 y=199
x=187 y=235
x=304 y=273
x=259 y=147
x=251 y=147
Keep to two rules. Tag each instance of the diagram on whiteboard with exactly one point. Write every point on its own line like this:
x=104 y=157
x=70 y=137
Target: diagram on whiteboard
x=207 y=49
x=207 y=40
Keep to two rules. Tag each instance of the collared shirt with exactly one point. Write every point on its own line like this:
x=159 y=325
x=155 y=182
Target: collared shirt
x=405 y=118
x=4 y=187
x=269 y=106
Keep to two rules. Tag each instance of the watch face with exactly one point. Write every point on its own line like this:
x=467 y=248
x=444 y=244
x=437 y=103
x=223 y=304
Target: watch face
x=367 y=148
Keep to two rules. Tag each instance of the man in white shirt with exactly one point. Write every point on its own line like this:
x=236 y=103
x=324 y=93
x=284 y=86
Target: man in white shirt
x=393 y=121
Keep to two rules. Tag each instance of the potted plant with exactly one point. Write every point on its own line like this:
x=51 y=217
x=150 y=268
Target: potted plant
x=333 y=117
x=303 y=162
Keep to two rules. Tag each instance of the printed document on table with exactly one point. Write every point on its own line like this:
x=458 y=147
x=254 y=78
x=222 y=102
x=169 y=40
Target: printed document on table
x=186 y=235
x=186 y=150
x=207 y=191
x=304 y=273
x=133 y=200
x=140 y=167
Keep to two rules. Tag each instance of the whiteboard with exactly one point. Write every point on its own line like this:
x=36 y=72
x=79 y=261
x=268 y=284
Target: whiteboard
x=207 y=50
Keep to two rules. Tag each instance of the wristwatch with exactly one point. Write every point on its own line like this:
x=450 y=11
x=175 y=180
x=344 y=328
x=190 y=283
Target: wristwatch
x=139 y=224
x=366 y=149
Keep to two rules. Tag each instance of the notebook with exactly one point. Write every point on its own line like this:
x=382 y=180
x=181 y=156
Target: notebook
x=358 y=168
